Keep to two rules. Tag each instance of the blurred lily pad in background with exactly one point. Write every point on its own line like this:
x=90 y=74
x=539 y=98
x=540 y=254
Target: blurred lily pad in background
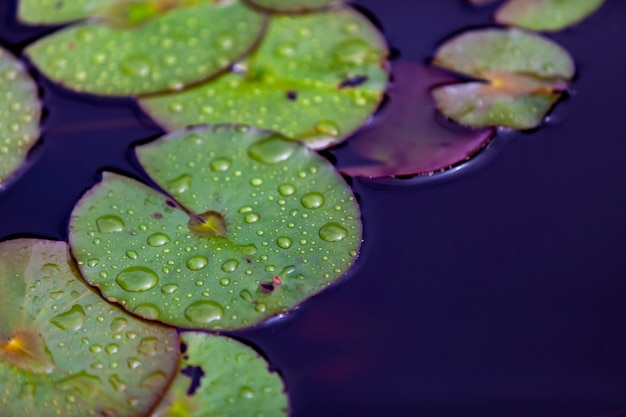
x=218 y=376
x=257 y=224
x=64 y=350
x=19 y=114
x=179 y=47
x=520 y=76
x=294 y=6
x=406 y=138
x=314 y=85
x=545 y=15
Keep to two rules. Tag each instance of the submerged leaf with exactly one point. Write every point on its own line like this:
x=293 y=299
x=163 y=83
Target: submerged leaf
x=546 y=15
x=19 y=114
x=524 y=75
x=406 y=138
x=293 y=6
x=219 y=376
x=316 y=78
x=181 y=47
x=65 y=351
x=291 y=228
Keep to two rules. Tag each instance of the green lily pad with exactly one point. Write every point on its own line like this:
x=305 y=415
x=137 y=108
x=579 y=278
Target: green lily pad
x=314 y=85
x=546 y=15
x=56 y=12
x=405 y=138
x=183 y=46
x=63 y=350
x=522 y=75
x=293 y=6
x=19 y=114
x=219 y=376
x=259 y=224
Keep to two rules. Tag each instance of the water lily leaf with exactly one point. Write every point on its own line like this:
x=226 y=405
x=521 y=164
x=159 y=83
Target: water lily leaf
x=65 y=351
x=406 y=138
x=293 y=6
x=546 y=15
x=181 y=47
x=523 y=76
x=219 y=376
x=19 y=114
x=314 y=85
x=55 y=11
x=259 y=224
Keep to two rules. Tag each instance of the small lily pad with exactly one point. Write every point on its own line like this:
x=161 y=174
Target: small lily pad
x=306 y=83
x=406 y=138
x=183 y=46
x=294 y=6
x=55 y=11
x=258 y=223
x=65 y=351
x=522 y=75
x=545 y=15
x=19 y=114
x=219 y=376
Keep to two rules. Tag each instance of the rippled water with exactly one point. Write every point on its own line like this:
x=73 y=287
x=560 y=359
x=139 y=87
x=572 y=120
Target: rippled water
x=496 y=293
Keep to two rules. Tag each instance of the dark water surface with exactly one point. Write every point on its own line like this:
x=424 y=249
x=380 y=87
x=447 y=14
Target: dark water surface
x=500 y=293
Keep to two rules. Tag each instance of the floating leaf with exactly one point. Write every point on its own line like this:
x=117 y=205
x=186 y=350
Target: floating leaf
x=55 y=11
x=524 y=75
x=219 y=376
x=317 y=85
x=293 y=6
x=19 y=114
x=181 y=47
x=65 y=351
x=546 y=15
x=406 y=138
x=260 y=224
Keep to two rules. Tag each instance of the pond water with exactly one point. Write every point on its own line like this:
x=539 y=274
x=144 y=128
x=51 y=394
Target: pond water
x=495 y=293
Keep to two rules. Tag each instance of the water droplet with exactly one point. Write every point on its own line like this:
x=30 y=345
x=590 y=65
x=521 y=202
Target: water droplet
x=224 y=282
x=260 y=307
x=117 y=383
x=179 y=184
x=285 y=49
x=328 y=127
x=246 y=393
x=353 y=52
x=131 y=254
x=204 y=312
x=71 y=320
x=248 y=249
x=245 y=295
x=272 y=150
x=230 y=265
x=118 y=324
x=148 y=311
x=197 y=263
x=158 y=239
x=148 y=346
x=286 y=190
x=109 y=224
x=169 y=289
x=256 y=182
x=93 y=262
x=136 y=66
x=312 y=200
x=284 y=242
x=154 y=380
x=137 y=279
x=333 y=232
x=220 y=165
x=112 y=349
x=252 y=218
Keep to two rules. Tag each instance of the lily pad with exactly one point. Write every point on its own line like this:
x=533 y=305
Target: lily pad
x=183 y=46
x=546 y=15
x=219 y=376
x=406 y=138
x=306 y=83
x=522 y=75
x=258 y=223
x=19 y=114
x=65 y=351
x=55 y=11
x=293 y=6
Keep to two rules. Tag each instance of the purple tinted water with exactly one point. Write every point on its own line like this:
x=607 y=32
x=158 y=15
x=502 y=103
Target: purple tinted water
x=501 y=293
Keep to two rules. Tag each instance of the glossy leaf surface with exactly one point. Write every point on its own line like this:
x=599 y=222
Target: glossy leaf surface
x=522 y=75
x=65 y=351
x=219 y=376
x=55 y=11
x=19 y=114
x=293 y=6
x=183 y=46
x=406 y=138
x=316 y=77
x=280 y=224
x=545 y=15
